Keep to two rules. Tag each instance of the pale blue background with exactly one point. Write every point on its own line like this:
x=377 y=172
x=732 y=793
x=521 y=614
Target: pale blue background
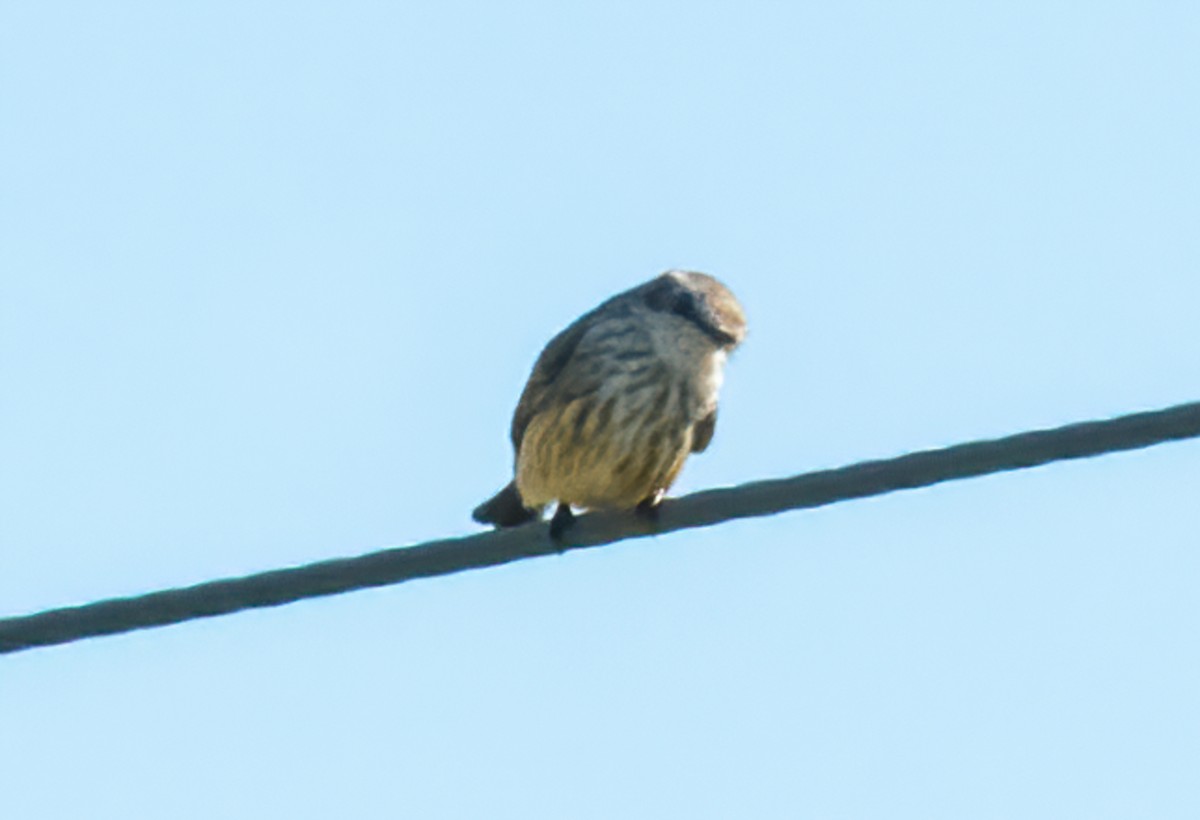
x=274 y=273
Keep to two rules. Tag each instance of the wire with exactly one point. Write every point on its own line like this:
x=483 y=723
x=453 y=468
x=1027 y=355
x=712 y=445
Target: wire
x=392 y=566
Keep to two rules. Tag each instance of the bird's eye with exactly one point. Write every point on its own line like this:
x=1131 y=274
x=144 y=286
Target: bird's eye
x=685 y=306
x=658 y=297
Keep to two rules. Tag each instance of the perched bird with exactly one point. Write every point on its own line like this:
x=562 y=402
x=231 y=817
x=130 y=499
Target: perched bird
x=618 y=400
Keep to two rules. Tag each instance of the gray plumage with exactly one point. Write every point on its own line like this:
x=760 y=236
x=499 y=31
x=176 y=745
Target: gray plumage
x=618 y=399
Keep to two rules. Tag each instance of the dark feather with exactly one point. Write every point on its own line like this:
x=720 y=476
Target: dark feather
x=702 y=432
x=547 y=368
x=543 y=385
x=504 y=509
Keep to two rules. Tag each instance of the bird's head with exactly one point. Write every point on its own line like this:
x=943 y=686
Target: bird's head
x=700 y=299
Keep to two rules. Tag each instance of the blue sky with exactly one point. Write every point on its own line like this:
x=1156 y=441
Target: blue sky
x=272 y=276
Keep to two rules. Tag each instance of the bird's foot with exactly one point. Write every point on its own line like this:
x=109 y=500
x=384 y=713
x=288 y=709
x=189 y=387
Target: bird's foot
x=562 y=520
x=648 y=509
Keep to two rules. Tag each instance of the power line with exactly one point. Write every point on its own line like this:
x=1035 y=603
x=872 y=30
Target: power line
x=442 y=557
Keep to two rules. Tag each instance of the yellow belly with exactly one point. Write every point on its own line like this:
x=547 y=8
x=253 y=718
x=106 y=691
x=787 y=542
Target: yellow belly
x=613 y=459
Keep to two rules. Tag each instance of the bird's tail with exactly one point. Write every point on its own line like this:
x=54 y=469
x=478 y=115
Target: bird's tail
x=504 y=509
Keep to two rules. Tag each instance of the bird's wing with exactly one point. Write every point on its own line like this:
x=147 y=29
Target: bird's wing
x=551 y=378
x=702 y=432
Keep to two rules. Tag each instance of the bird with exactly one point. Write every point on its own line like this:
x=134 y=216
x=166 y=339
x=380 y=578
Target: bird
x=618 y=400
